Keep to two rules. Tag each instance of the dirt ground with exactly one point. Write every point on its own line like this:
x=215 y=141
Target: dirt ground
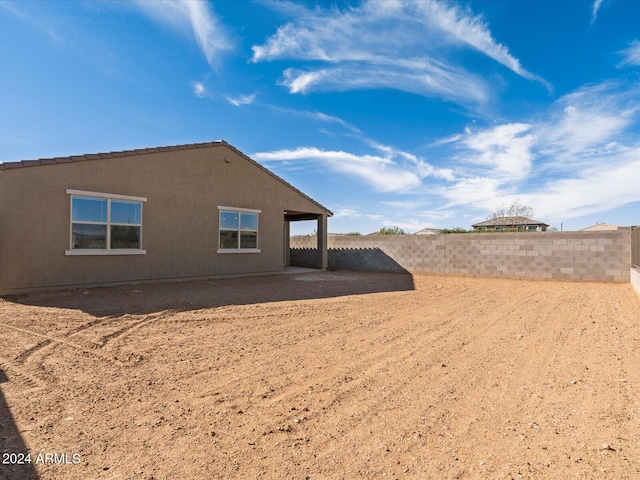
x=323 y=375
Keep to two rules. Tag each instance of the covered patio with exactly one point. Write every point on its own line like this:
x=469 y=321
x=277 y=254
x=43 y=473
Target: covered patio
x=321 y=235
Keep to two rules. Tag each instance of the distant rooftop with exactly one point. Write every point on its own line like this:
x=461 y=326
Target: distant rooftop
x=509 y=221
x=600 y=226
x=428 y=231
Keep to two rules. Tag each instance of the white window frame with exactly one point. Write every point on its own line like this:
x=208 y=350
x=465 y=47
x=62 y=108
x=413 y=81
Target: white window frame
x=239 y=250
x=103 y=251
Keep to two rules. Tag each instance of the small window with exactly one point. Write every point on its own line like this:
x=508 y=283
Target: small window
x=238 y=230
x=103 y=224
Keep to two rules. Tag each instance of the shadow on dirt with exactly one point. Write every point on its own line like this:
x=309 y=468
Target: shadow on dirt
x=195 y=295
x=12 y=447
x=364 y=259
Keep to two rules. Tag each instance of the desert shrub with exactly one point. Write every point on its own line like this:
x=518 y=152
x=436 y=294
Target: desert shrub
x=391 y=231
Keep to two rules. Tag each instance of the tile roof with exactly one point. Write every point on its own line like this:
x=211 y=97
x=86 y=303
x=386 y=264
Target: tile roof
x=144 y=151
x=426 y=231
x=508 y=221
x=103 y=155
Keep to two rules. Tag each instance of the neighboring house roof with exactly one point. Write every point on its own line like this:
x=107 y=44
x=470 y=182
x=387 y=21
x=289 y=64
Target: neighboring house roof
x=428 y=231
x=143 y=151
x=600 y=226
x=508 y=222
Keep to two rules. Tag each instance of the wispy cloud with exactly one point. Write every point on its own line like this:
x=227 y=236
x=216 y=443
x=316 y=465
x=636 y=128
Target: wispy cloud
x=577 y=157
x=379 y=172
x=429 y=79
x=323 y=117
x=505 y=149
x=194 y=16
x=346 y=213
x=241 y=99
x=470 y=29
x=316 y=115
x=609 y=183
x=46 y=26
x=391 y=172
x=199 y=90
x=581 y=125
x=595 y=8
x=359 y=47
x=631 y=55
x=583 y=146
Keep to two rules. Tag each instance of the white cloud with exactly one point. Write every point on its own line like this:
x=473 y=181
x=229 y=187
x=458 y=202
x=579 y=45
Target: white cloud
x=379 y=172
x=506 y=149
x=346 y=213
x=584 y=145
x=607 y=184
x=584 y=122
x=392 y=172
x=46 y=26
x=428 y=80
x=323 y=117
x=199 y=89
x=403 y=204
x=472 y=30
x=631 y=55
x=299 y=82
x=241 y=99
x=360 y=47
x=480 y=192
x=594 y=10
x=194 y=16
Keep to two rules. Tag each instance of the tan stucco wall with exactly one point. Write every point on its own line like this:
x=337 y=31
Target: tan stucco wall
x=180 y=217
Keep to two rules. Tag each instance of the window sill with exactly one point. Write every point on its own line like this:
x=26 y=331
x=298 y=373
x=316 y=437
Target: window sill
x=115 y=251
x=238 y=250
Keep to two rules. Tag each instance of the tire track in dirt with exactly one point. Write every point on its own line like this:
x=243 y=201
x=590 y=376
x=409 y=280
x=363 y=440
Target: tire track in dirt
x=16 y=375
x=550 y=349
x=24 y=356
x=32 y=370
x=54 y=341
x=135 y=324
x=342 y=388
x=381 y=336
x=401 y=388
x=407 y=384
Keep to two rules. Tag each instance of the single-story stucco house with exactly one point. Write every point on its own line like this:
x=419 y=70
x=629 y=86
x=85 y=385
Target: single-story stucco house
x=428 y=231
x=512 y=223
x=187 y=211
x=599 y=227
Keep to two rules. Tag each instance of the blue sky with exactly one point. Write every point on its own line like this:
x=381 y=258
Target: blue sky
x=390 y=113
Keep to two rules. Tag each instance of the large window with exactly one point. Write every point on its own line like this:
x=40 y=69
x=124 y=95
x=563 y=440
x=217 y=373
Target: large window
x=103 y=224
x=238 y=230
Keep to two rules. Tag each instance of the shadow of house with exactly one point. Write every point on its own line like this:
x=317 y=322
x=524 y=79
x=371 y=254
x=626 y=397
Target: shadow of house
x=363 y=259
x=12 y=445
x=194 y=295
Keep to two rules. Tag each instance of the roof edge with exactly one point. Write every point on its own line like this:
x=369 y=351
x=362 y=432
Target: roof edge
x=144 y=151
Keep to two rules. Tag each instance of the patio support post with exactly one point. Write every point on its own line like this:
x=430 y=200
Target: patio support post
x=287 y=242
x=322 y=241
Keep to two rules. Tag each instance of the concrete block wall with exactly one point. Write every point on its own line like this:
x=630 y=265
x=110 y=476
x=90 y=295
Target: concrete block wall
x=574 y=256
x=635 y=279
x=635 y=246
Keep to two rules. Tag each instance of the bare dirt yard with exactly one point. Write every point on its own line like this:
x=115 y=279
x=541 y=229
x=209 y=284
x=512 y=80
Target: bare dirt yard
x=323 y=375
